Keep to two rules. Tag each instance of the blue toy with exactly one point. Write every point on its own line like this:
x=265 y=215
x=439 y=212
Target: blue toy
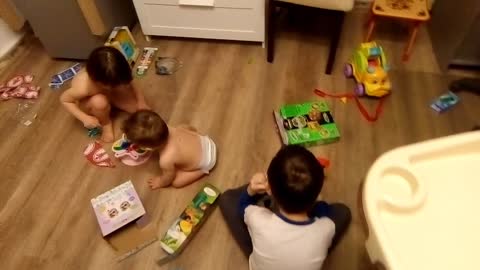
x=94 y=132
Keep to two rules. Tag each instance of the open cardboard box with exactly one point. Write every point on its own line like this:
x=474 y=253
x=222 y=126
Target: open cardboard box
x=132 y=238
x=123 y=221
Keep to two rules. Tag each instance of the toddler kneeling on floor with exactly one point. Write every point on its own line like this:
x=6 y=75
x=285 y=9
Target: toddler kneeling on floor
x=184 y=155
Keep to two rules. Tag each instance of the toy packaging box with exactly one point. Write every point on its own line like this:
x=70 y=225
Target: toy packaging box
x=185 y=226
x=306 y=124
x=122 y=220
x=117 y=207
x=121 y=38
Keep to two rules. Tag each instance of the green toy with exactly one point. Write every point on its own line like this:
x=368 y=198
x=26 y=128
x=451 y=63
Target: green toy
x=306 y=124
x=188 y=223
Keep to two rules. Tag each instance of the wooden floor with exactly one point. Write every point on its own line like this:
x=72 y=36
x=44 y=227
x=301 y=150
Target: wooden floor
x=227 y=90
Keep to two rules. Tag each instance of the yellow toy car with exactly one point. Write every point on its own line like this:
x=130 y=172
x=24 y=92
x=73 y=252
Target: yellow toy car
x=369 y=67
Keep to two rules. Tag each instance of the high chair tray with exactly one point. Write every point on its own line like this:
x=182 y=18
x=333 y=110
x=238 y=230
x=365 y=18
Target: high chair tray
x=421 y=205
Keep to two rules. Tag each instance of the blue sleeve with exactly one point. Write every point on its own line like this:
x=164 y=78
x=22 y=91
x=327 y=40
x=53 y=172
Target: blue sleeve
x=321 y=209
x=245 y=201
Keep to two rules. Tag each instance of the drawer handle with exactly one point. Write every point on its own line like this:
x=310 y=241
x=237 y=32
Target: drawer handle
x=200 y=3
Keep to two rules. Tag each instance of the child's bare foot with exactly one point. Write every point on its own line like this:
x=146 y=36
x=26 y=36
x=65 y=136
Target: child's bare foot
x=156 y=182
x=107 y=133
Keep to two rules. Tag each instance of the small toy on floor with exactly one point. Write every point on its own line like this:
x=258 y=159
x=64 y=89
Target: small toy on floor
x=324 y=162
x=129 y=153
x=95 y=153
x=19 y=87
x=145 y=60
x=94 y=132
x=167 y=65
x=445 y=102
x=59 y=79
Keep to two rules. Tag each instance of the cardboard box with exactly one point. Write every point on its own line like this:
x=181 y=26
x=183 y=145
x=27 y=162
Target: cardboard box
x=188 y=223
x=306 y=124
x=121 y=217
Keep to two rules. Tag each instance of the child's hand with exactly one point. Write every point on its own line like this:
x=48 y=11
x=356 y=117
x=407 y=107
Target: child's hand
x=91 y=122
x=258 y=184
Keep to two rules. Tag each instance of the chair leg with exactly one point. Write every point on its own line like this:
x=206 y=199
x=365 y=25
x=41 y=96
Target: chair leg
x=370 y=28
x=411 y=41
x=270 y=29
x=336 y=32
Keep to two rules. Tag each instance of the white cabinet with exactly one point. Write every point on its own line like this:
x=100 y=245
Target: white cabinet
x=215 y=19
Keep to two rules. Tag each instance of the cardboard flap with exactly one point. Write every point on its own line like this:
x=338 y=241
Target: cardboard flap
x=131 y=239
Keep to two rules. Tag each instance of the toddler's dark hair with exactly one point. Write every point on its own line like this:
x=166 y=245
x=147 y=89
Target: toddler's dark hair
x=296 y=178
x=146 y=128
x=108 y=66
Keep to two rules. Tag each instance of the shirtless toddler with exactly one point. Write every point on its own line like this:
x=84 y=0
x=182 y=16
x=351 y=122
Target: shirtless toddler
x=185 y=155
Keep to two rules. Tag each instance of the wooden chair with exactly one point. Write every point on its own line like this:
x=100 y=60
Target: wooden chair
x=412 y=11
x=336 y=7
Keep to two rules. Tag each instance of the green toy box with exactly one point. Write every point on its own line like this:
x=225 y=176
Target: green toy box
x=306 y=124
x=188 y=223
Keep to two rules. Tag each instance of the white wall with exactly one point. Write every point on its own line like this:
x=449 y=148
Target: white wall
x=8 y=38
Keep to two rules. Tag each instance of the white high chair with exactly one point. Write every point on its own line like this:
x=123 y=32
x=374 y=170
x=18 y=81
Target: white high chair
x=421 y=205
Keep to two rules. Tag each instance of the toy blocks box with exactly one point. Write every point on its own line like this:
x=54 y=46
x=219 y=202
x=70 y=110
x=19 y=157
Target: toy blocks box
x=306 y=124
x=190 y=220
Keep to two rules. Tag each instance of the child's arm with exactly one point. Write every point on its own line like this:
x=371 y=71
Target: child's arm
x=69 y=100
x=245 y=200
x=141 y=103
x=321 y=209
x=258 y=185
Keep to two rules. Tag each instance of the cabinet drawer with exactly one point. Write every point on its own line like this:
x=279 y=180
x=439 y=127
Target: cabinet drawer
x=216 y=3
x=226 y=19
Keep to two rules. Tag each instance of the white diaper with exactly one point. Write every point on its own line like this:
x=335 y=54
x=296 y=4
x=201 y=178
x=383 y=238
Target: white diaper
x=209 y=154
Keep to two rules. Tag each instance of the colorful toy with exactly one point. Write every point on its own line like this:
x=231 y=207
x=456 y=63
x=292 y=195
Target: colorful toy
x=19 y=87
x=189 y=222
x=306 y=124
x=95 y=153
x=324 y=162
x=369 y=67
x=129 y=153
x=62 y=77
x=445 y=102
x=121 y=38
x=361 y=108
x=145 y=60
x=94 y=132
